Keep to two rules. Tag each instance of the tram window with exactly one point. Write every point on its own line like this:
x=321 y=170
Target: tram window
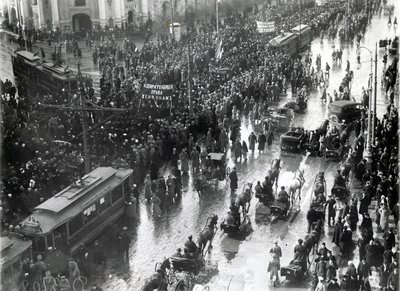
x=16 y=269
x=75 y=224
x=127 y=187
x=89 y=213
x=41 y=245
x=104 y=202
x=116 y=194
x=6 y=279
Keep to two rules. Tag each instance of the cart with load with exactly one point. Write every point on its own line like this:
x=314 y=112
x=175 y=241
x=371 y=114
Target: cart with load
x=294 y=271
x=213 y=171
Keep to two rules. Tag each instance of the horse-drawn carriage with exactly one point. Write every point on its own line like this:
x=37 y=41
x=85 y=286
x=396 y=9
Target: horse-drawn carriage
x=191 y=265
x=293 y=140
x=213 y=171
x=311 y=138
x=297 y=268
x=318 y=199
x=233 y=225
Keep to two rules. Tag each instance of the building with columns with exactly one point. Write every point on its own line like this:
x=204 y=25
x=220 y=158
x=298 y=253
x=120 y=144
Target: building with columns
x=78 y=15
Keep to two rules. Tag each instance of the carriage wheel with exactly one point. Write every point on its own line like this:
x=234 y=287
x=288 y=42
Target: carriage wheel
x=227 y=172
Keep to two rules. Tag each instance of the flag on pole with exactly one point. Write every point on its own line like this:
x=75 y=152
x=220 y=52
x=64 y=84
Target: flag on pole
x=265 y=27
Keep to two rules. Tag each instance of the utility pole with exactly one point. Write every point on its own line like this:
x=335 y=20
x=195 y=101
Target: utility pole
x=190 y=81
x=217 y=16
x=172 y=19
x=300 y=24
x=375 y=93
x=84 y=136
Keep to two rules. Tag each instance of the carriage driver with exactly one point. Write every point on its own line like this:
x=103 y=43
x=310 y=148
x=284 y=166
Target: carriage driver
x=190 y=245
x=339 y=180
x=283 y=197
x=234 y=210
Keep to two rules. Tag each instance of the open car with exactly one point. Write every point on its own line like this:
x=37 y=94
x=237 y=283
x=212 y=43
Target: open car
x=293 y=140
x=343 y=112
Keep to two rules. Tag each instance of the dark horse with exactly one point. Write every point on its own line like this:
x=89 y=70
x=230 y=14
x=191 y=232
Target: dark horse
x=273 y=173
x=159 y=279
x=207 y=234
x=319 y=183
x=311 y=240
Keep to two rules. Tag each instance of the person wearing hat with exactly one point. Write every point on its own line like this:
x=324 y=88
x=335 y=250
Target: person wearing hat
x=273 y=269
x=124 y=241
x=178 y=252
x=333 y=285
x=233 y=180
x=191 y=245
x=276 y=249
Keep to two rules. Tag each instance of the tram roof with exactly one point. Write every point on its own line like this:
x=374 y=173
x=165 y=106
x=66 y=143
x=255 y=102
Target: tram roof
x=300 y=28
x=282 y=39
x=11 y=247
x=73 y=199
x=27 y=56
x=344 y=103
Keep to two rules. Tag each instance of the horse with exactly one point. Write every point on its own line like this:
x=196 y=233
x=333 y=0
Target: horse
x=244 y=198
x=347 y=166
x=296 y=185
x=273 y=173
x=319 y=183
x=207 y=234
x=311 y=240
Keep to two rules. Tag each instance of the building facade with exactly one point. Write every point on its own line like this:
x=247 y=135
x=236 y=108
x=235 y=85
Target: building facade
x=78 y=15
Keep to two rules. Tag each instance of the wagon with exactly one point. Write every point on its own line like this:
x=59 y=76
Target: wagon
x=218 y=170
x=293 y=140
x=293 y=272
x=182 y=264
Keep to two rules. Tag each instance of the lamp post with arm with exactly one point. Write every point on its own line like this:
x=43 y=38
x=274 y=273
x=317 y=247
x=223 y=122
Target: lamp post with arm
x=371 y=101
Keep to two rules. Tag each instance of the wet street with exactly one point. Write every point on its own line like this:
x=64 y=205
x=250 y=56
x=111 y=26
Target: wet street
x=234 y=264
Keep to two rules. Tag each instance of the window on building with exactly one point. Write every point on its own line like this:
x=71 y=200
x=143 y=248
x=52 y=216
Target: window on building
x=34 y=2
x=80 y=2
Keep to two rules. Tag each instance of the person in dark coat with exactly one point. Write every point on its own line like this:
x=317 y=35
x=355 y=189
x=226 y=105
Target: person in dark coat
x=320 y=267
x=262 y=139
x=331 y=211
x=337 y=232
x=333 y=285
x=364 y=203
x=363 y=270
x=234 y=180
x=330 y=270
x=384 y=272
x=124 y=240
x=367 y=221
x=353 y=215
x=389 y=239
x=347 y=241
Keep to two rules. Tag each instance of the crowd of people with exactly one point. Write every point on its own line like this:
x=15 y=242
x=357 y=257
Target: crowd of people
x=43 y=151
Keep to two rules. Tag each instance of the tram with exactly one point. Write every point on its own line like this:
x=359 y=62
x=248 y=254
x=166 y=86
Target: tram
x=80 y=212
x=14 y=250
x=43 y=76
x=285 y=43
x=304 y=35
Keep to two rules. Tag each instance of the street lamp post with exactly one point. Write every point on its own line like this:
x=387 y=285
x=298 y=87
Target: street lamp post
x=172 y=19
x=371 y=103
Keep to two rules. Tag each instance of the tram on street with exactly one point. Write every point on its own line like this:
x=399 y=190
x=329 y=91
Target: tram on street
x=43 y=76
x=80 y=212
x=285 y=43
x=304 y=34
x=14 y=250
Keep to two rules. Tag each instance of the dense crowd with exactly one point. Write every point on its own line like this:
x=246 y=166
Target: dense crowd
x=43 y=150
